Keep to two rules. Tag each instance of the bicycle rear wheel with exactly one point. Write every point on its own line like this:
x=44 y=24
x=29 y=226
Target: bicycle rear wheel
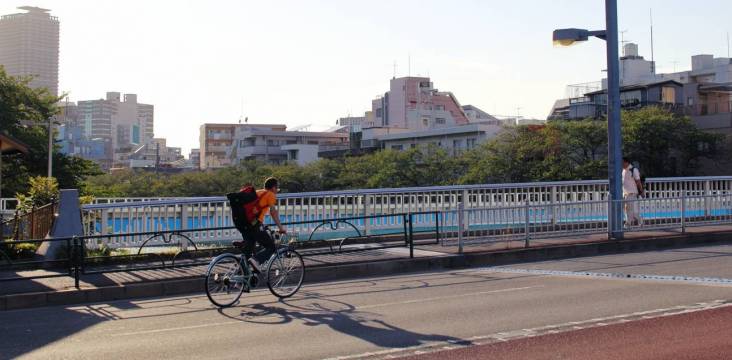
x=285 y=273
x=225 y=281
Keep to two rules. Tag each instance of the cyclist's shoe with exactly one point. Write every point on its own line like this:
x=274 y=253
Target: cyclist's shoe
x=253 y=282
x=238 y=243
x=255 y=266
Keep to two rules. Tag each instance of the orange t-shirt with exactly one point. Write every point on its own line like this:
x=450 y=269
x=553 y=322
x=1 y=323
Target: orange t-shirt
x=266 y=199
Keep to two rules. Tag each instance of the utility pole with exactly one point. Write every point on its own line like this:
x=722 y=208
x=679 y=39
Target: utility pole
x=613 y=118
x=50 y=146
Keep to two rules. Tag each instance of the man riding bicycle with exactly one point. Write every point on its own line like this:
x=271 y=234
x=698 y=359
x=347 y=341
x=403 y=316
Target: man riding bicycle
x=256 y=233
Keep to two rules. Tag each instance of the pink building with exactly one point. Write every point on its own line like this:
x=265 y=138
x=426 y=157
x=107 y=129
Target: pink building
x=413 y=103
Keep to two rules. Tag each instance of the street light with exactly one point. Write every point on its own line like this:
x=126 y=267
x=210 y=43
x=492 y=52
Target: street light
x=566 y=37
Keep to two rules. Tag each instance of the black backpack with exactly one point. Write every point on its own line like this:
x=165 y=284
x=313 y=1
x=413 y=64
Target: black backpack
x=242 y=204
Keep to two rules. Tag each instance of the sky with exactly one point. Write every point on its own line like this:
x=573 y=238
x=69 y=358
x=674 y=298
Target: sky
x=313 y=61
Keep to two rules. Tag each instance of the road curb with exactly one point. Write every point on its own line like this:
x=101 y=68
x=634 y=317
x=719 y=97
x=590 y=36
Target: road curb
x=192 y=285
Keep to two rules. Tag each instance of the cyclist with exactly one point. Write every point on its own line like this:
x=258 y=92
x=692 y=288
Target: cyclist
x=266 y=201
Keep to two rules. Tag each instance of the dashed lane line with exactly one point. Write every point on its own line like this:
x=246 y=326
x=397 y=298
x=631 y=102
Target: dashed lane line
x=619 y=276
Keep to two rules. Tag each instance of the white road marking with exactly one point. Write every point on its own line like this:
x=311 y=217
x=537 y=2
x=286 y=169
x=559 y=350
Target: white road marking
x=617 y=276
x=538 y=331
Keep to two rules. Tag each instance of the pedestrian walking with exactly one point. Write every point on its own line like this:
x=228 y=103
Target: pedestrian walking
x=632 y=191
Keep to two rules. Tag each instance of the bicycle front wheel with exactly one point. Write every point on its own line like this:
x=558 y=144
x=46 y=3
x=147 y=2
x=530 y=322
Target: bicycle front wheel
x=225 y=281
x=285 y=273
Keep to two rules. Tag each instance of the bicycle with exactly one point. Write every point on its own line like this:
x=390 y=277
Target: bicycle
x=229 y=275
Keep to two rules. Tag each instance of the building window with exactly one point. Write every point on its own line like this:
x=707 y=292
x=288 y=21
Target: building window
x=668 y=95
x=397 y=147
x=425 y=122
x=690 y=101
x=440 y=107
x=440 y=121
x=470 y=143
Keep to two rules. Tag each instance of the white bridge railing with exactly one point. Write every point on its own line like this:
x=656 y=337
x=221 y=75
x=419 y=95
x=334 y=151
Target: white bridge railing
x=485 y=205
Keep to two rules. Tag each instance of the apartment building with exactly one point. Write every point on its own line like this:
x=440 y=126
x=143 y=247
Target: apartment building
x=704 y=93
x=29 y=46
x=194 y=158
x=413 y=113
x=224 y=145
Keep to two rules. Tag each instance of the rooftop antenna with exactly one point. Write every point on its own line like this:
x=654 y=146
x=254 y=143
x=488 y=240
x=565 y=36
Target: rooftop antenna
x=622 y=40
x=409 y=66
x=674 y=62
x=727 y=43
x=395 y=69
x=653 y=63
x=241 y=110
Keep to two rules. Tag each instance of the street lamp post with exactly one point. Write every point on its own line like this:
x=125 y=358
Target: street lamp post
x=50 y=147
x=567 y=37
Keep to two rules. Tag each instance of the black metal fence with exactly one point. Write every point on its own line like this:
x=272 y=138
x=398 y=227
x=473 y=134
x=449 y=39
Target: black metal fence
x=84 y=255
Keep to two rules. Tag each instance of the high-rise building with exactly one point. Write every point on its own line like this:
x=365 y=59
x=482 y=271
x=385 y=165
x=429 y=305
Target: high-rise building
x=29 y=46
x=125 y=122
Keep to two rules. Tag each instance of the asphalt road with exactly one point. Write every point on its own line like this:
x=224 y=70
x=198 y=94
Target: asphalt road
x=395 y=316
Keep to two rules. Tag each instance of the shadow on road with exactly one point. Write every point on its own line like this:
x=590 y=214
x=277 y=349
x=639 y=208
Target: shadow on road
x=341 y=317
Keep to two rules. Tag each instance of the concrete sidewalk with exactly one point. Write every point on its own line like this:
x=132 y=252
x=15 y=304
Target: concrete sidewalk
x=373 y=262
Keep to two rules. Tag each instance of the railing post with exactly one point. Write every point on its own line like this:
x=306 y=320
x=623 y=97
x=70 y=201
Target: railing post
x=461 y=226
x=683 y=212
x=437 y=227
x=405 y=220
x=552 y=201
x=184 y=215
x=366 y=212
x=707 y=199
x=411 y=237
x=77 y=256
x=526 y=223
x=105 y=220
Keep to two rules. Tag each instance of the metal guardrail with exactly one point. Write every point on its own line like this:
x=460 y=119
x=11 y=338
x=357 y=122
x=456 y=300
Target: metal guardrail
x=191 y=213
x=536 y=221
x=461 y=227
x=83 y=255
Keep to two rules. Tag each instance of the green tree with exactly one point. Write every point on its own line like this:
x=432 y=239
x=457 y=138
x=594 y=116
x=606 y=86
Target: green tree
x=516 y=154
x=666 y=144
x=42 y=190
x=24 y=114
